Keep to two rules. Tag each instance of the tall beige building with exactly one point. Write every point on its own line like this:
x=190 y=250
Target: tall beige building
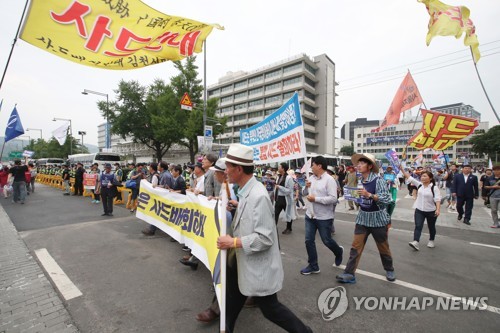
x=246 y=98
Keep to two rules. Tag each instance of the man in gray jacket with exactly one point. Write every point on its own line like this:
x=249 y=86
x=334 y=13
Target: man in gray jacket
x=254 y=265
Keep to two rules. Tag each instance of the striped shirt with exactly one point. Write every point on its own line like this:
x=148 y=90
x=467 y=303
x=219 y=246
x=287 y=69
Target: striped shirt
x=378 y=218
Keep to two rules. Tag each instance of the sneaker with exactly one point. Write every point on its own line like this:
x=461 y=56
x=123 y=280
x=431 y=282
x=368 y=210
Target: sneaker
x=414 y=245
x=431 y=244
x=346 y=278
x=97 y=201
x=309 y=270
x=147 y=232
x=93 y=201
x=287 y=231
x=185 y=248
x=338 y=259
x=390 y=276
x=495 y=226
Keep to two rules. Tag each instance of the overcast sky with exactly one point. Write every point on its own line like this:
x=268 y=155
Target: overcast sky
x=369 y=41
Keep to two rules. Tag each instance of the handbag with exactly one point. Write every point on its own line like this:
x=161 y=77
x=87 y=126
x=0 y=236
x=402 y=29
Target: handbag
x=131 y=184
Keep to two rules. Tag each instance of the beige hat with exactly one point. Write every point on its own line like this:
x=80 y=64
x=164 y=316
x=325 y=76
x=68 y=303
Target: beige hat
x=356 y=157
x=239 y=154
x=220 y=166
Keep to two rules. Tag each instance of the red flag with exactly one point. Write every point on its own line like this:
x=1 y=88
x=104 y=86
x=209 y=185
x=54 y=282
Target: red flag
x=406 y=97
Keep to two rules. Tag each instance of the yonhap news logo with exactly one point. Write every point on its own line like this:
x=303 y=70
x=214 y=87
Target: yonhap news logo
x=333 y=303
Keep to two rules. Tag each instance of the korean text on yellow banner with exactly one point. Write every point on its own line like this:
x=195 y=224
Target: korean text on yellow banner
x=111 y=34
x=440 y=130
x=279 y=137
x=406 y=97
x=89 y=181
x=190 y=219
x=448 y=20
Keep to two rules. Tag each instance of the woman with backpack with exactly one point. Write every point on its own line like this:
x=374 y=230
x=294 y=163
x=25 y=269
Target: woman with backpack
x=427 y=206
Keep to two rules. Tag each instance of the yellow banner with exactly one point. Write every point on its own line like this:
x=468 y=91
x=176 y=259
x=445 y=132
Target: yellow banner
x=440 y=130
x=190 y=219
x=111 y=34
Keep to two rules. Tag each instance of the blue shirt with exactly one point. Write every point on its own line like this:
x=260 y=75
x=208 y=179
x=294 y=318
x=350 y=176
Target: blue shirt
x=379 y=218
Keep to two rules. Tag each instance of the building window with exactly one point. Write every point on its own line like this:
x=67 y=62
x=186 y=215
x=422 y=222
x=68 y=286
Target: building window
x=309 y=108
x=276 y=85
x=308 y=121
x=213 y=92
x=309 y=135
x=240 y=95
x=292 y=67
x=255 y=114
x=271 y=99
x=288 y=95
x=255 y=102
x=255 y=91
x=240 y=84
x=226 y=99
x=309 y=95
x=268 y=112
x=310 y=82
x=240 y=117
x=226 y=88
x=273 y=74
x=297 y=79
x=226 y=109
x=310 y=69
x=240 y=106
x=255 y=79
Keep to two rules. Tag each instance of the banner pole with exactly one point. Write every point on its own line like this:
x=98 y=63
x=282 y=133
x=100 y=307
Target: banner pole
x=13 y=44
x=482 y=85
x=223 y=255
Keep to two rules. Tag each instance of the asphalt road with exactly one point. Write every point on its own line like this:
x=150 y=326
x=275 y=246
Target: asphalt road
x=134 y=283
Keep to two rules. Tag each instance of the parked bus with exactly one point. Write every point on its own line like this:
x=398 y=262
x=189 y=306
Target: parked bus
x=88 y=159
x=49 y=161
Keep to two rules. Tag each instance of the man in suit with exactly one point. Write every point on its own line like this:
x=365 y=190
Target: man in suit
x=254 y=265
x=465 y=189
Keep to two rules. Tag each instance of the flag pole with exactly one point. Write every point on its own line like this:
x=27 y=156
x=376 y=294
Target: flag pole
x=1 y=154
x=13 y=44
x=482 y=85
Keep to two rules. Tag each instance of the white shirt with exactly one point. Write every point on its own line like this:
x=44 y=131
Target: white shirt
x=425 y=201
x=465 y=177
x=200 y=184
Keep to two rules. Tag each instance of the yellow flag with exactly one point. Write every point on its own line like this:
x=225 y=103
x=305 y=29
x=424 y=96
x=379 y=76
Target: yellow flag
x=448 y=20
x=112 y=34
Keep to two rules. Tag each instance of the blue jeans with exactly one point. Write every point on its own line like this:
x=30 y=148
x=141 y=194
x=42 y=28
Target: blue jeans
x=420 y=217
x=325 y=232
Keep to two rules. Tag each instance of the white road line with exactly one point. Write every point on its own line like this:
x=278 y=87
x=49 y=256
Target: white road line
x=417 y=287
x=60 y=279
x=485 y=245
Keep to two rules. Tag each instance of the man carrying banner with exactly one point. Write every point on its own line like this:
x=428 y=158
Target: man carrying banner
x=254 y=265
x=372 y=219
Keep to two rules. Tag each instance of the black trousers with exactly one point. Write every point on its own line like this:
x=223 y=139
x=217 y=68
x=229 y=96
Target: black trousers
x=279 y=205
x=78 y=186
x=469 y=203
x=270 y=307
x=107 y=195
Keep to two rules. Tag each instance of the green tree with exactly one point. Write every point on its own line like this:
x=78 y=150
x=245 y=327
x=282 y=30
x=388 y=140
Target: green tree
x=192 y=121
x=52 y=148
x=149 y=115
x=487 y=142
x=347 y=150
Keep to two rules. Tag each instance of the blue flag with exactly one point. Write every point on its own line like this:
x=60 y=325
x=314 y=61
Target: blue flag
x=14 y=126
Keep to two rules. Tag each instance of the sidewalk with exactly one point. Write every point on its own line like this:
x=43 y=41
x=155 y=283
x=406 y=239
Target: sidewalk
x=480 y=221
x=28 y=301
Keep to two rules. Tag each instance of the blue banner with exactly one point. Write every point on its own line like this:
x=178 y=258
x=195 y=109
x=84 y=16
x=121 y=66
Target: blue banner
x=392 y=157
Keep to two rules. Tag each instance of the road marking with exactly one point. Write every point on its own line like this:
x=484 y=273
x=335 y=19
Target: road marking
x=485 y=245
x=417 y=287
x=60 y=279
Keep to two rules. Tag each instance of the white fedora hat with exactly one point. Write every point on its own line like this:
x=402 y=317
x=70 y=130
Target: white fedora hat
x=356 y=157
x=239 y=154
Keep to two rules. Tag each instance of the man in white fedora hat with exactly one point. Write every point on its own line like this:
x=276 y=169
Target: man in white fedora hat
x=372 y=218
x=254 y=265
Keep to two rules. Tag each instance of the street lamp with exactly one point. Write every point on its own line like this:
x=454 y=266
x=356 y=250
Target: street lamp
x=108 y=137
x=82 y=133
x=70 y=133
x=36 y=129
